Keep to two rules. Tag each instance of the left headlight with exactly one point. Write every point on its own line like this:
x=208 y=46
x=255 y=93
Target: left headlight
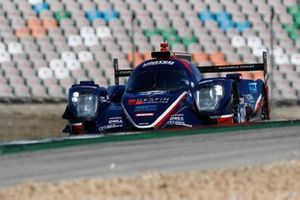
x=208 y=97
x=86 y=104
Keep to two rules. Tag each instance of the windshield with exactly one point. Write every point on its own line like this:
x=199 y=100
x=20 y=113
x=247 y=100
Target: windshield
x=161 y=79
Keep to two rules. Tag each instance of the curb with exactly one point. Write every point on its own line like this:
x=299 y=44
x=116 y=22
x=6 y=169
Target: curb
x=35 y=145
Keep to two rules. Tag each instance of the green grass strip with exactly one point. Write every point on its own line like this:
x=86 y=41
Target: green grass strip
x=68 y=142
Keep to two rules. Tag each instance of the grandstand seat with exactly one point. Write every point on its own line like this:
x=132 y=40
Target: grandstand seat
x=40 y=7
x=79 y=75
x=206 y=15
x=6 y=93
x=85 y=56
x=242 y=26
x=98 y=22
x=277 y=51
x=258 y=51
x=67 y=56
x=217 y=58
x=73 y=64
x=45 y=73
x=61 y=14
x=178 y=47
x=33 y=22
x=22 y=32
x=247 y=75
x=222 y=16
x=66 y=83
x=61 y=73
x=74 y=40
x=199 y=57
x=254 y=42
x=226 y=25
x=56 y=63
x=151 y=32
x=21 y=91
x=138 y=58
x=193 y=48
x=46 y=14
x=103 y=32
x=282 y=59
x=4 y=56
x=32 y=80
x=87 y=31
x=295 y=58
x=91 y=41
x=15 y=48
x=186 y=41
x=55 y=92
x=109 y=15
x=2 y=46
x=15 y=80
x=93 y=15
x=38 y=32
x=26 y=71
x=34 y=2
x=49 y=23
x=38 y=92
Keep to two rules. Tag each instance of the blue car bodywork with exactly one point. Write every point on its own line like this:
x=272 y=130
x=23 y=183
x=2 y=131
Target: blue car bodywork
x=167 y=91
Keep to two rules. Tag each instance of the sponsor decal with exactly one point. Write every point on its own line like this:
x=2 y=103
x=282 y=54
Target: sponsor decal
x=145 y=108
x=110 y=126
x=178 y=119
x=104 y=99
x=249 y=97
x=159 y=62
x=152 y=100
x=252 y=87
x=164 y=116
x=139 y=102
x=131 y=102
x=113 y=122
x=143 y=124
x=144 y=114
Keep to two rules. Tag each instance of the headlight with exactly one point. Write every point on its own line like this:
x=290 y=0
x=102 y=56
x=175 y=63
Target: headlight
x=209 y=97
x=86 y=104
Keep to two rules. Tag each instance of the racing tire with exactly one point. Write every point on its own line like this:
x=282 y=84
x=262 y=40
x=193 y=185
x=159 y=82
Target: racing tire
x=235 y=104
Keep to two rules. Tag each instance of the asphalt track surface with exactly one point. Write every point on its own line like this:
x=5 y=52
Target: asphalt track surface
x=127 y=158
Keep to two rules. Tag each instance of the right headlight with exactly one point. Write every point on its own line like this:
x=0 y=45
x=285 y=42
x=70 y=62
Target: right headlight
x=208 y=97
x=86 y=104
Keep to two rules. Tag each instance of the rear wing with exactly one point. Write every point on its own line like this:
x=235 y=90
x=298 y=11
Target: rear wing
x=203 y=69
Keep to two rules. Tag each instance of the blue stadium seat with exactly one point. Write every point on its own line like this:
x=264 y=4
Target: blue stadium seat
x=226 y=25
x=206 y=15
x=222 y=16
x=40 y=7
x=93 y=14
x=109 y=15
x=242 y=26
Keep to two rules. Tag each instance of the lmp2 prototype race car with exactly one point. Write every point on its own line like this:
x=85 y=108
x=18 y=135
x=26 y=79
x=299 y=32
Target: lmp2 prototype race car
x=168 y=91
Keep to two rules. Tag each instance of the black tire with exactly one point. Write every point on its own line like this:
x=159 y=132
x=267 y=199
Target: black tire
x=235 y=104
x=264 y=111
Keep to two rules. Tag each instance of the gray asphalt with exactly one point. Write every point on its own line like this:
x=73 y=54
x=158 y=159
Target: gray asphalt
x=196 y=152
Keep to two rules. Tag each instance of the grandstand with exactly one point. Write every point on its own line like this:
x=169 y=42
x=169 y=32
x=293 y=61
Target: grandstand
x=47 y=45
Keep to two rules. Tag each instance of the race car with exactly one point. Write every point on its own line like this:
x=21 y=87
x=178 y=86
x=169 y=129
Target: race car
x=168 y=91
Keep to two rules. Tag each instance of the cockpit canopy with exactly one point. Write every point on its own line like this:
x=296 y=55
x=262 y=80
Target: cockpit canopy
x=158 y=79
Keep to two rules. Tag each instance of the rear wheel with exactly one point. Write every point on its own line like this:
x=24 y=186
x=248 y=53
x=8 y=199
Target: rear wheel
x=264 y=112
x=235 y=104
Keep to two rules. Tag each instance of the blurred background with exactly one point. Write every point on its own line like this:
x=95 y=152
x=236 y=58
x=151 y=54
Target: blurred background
x=48 y=45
